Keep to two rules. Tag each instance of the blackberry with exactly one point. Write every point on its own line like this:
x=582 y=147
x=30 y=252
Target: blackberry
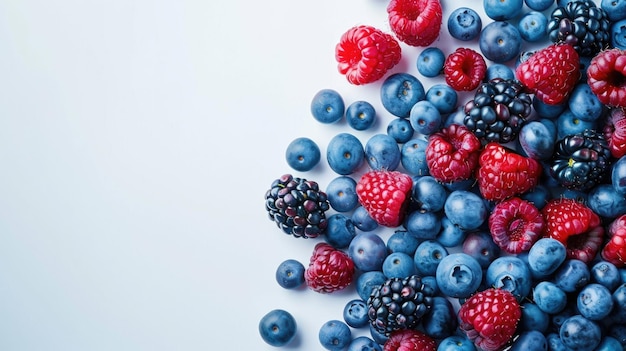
x=582 y=24
x=297 y=206
x=399 y=303
x=499 y=109
x=581 y=160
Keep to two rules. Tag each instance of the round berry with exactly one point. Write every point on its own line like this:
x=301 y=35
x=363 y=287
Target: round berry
x=500 y=42
x=464 y=24
x=335 y=335
x=398 y=265
x=594 y=302
x=618 y=34
x=400 y=129
x=363 y=343
x=277 y=327
x=499 y=70
x=443 y=97
x=302 y=154
x=327 y=106
x=539 y=5
x=345 y=153
x=427 y=257
x=382 y=152
x=403 y=241
x=341 y=192
x=425 y=118
x=290 y=274
x=549 y=297
x=430 y=62
x=340 y=231
x=413 y=157
x=502 y=10
x=532 y=26
x=464 y=69
x=579 y=333
x=355 y=313
x=360 y=115
x=458 y=275
x=362 y=219
x=399 y=92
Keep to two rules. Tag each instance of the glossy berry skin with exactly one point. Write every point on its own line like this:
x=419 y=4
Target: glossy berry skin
x=579 y=333
x=427 y=257
x=409 y=340
x=429 y=194
x=368 y=252
x=464 y=24
x=584 y=104
x=398 y=265
x=443 y=97
x=329 y=269
x=355 y=313
x=515 y=225
x=399 y=92
x=545 y=256
x=594 y=302
x=290 y=274
x=361 y=115
x=530 y=340
x=572 y=275
x=458 y=275
x=302 y=154
x=510 y=273
x=532 y=26
x=400 y=129
x=549 y=297
x=413 y=157
x=452 y=153
x=425 y=118
x=363 y=343
x=327 y=106
x=465 y=209
x=362 y=220
x=533 y=318
x=500 y=42
x=385 y=207
x=335 y=335
x=606 y=274
x=456 y=343
x=502 y=10
x=415 y=22
x=345 y=154
x=464 y=69
x=480 y=246
x=441 y=322
x=403 y=241
x=424 y=225
x=605 y=76
x=537 y=140
x=340 y=231
x=430 y=62
x=367 y=281
x=605 y=201
x=278 y=327
x=341 y=192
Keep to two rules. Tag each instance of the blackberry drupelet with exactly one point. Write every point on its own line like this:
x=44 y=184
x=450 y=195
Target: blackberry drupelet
x=498 y=111
x=399 y=303
x=581 y=160
x=297 y=206
x=582 y=24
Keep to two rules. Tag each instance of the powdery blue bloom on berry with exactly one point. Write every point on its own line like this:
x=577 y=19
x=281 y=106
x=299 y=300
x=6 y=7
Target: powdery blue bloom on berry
x=403 y=241
x=465 y=209
x=361 y=115
x=618 y=34
x=367 y=281
x=530 y=340
x=502 y=10
x=607 y=274
x=345 y=154
x=594 y=302
x=549 y=297
x=429 y=194
x=362 y=219
x=400 y=129
x=290 y=274
x=510 y=273
x=533 y=318
x=278 y=327
x=579 y=333
x=464 y=24
x=367 y=251
x=615 y=9
x=500 y=42
x=340 y=231
x=441 y=321
x=532 y=26
x=584 y=104
x=545 y=257
x=341 y=192
x=327 y=106
x=413 y=157
x=458 y=275
x=480 y=245
x=443 y=97
x=430 y=62
x=423 y=224
x=425 y=118
x=363 y=343
x=335 y=335
x=539 y=5
x=399 y=92
x=382 y=152
x=398 y=265
x=456 y=343
x=572 y=275
x=302 y=154
x=606 y=202
x=355 y=313
x=427 y=257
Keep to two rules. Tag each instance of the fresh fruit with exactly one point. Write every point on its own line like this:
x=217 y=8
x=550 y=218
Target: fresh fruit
x=572 y=275
x=360 y=115
x=327 y=106
x=413 y=157
x=551 y=73
x=579 y=333
x=425 y=118
x=441 y=321
x=329 y=269
x=615 y=131
x=430 y=62
x=458 y=275
x=364 y=54
x=532 y=26
x=530 y=340
x=515 y=225
x=481 y=247
x=464 y=69
x=345 y=153
x=355 y=313
x=546 y=256
x=278 y=327
x=465 y=209
x=500 y=42
x=401 y=130
x=385 y=195
x=335 y=335
x=537 y=140
x=502 y=10
x=606 y=76
x=584 y=104
x=362 y=219
x=302 y=154
x=297 y=206
x=443 y=97
x=427 y=257
x=428 y=194
x=512 y=274
x=549 y=297
x=452 y=154
x=489 y=318
x=399 y=92
x=594 y=302
x=290 y=274
x=615 y=250
x=423 y=224
x=409 y=340
x=398 y=265
x=340 y=231
x=464 y=24
x=368 y=252
x=341 y=193
x=415 y=22
x=502 y=173
x=581 y=24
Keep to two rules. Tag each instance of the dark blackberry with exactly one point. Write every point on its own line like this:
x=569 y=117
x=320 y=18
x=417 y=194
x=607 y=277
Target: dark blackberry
x=399 y=303
x=297 y=206
x=582 y=160
x=499 y=109
x=582 y=24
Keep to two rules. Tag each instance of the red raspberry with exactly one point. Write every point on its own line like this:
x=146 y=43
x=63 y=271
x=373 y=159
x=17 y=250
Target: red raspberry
x=464 y=69
x=515 y=225
x=452 y=153
x=409 y=340
x=415 y=22
x=489 y=318
x=615 y=249
x=551 y=73
x=502 y=173
x=574 y=225
x=615 y=132
x=329 y=270
x=606 y=76
x=364 y=54
x=385 y=195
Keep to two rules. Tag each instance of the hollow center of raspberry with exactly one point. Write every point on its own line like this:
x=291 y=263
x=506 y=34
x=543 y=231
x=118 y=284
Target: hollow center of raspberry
x=617 y=80
x=516 y=228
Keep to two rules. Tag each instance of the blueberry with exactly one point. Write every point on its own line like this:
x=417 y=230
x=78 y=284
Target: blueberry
x=584 y=104
x=579 y=333
x=399 y=92
x=464 y=24
x=341 y=192
x=456 y=117
x=290 y=274
x=398 y=265
x=539 y=5
x=430 y=284
x=499 y=70
x=430 y=62
x=382 y=152
x=567 y=123
x=413 y=157
x=425 y=118
x=456 y=343
x=465 y=209
x=594 y=302
x=429 y=194
x=367 y=251
x=608 y=343
x=500 y=42
x=423 y=224
x=327 y=106
x=481 y=246
x=458 y=275
x=615 y=9
x=366 y=281
x=618 y=34
x=555 y=343
x=403 y=241
x=572 y=275
x=302 y=154
x=355 y=313
x=533 y=318
x=510 y=273
x=532 y=26
x=548 y=111
x=605 y=201
x=502 y=10
x=339 y=231
x=450 y=235
x=441 y=321
x=443 y=97
x=345 y=154
x=549 y=297
x=618 y=175
x=361 y=115
x=607 y=274
x=278 y=327
x=545 y=256
x=427 y=257
x=335 y=335
x=363 y=343
x=530 y=340
x=362 y=220
x=400 y=129
x=536 y=140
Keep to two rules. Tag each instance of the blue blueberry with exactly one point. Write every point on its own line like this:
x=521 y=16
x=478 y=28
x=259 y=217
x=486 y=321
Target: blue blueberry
x=355 y=313
x=618 y=34
x=430 y=285
x=510 y=273
x=382 y=152
x=427 y=257
x=302 y=154
x=615 y=9
x=618 y=175
x=545 y=257
x=425 y=118
x=400 y=129
x=499 y=70
x=367 y=251
x=532 y=26
x=362 y=220
x=584 y=104
x=399 y=92
x=539 y=5
x=548 y=111
x=443 y=97
x=450 y=235
x=423 y=224
x=327 y=106
x=277 y=327
x=579 y=333
x=335 y=335
x=340 y=231
x=403 y=241
x=530 y=340
x=567 y=123
x=458 y=275
x=607 y=274
x=399 y=265
x=413 y=157
x=608 y=343
x=481 y=246
x=441 y=321
x=366 y=282
x=606 y=202
x=429 y=194
x=594 y=302
x=363 y=343
x=464 y=24
x=456 y=117
x=341 y=192
x=290 y=274
x=555 y=343
x=361 y=115
x=456 y=343
x=572 y=275
x=549 y=297
x=619 y=300
x=536 y=140
x=618 y=332
x=430 y=62
x=465 y=209
x=500 y=42
x=345 y=154
x=539 y=196
x=533 y=318
x=502 y=10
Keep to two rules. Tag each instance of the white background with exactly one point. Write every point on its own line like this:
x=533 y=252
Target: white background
x=137 y=139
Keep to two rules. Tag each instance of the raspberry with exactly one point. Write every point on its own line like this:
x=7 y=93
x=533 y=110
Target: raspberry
x=615 y=132
x=452 y=154
x=502 y=173
x=489 y=318
x=329 y=269
x=615 y=249
x=551 y=73
x=364 y=54
x=409 y=340
x=574 y=225
x=415 y=22
x=464 y=69
x=515 y=225
x=385 y=195
x=606 y=76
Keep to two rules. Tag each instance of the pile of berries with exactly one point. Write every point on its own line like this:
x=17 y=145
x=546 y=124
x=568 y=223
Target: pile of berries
x=489 y=224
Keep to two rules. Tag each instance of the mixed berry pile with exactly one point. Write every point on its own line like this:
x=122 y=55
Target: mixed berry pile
x=507 y=210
